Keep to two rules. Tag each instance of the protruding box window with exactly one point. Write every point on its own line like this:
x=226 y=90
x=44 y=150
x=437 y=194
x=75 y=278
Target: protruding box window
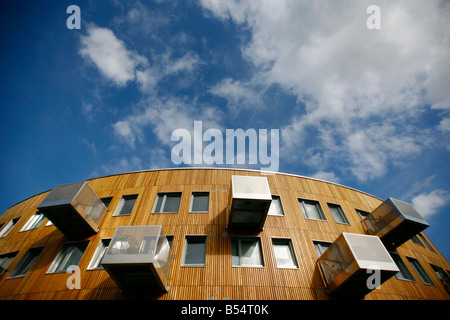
x=75 y=209
x=395 y=222
x=249 y=203
x=350 y=260
x=138 y=259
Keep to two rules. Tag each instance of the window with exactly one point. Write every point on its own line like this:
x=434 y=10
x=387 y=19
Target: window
x=5 y=260
x=26 y=262
x=420 y=271
x=95 y=263
x=168 y=202
x=34 y=222
x=362 y=214
x=404 y=273
x=170 y=239
x=8 y=227
x=69 y=255
x=416 y=240
x=194 y=254
x=321 y=246
x=426 y=242
x=276 y=208
x=126 y=204
x=106 y=201
x=246 y=252
x=312 y=210
x=199 y=202
x=284 y=253
x=338 y=213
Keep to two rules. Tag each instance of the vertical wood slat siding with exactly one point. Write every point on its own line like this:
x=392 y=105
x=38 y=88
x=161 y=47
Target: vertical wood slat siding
x=218 y=279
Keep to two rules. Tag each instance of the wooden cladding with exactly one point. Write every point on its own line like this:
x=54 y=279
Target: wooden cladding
x=217 y=279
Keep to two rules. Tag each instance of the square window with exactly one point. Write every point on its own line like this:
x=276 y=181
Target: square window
x=404 y=273
x=34 y=222
x=312 y=210
x=126 y=205
x=8 y=227
x=420 y=271
x=69 y=255
x=321 y=246
x=338 y=214
x=194 y=254
x=276 y=209
x=95 y=263
x=246 y=252
x=284 y=253
x=199 y=202
x=167 y=202
x=26 y=262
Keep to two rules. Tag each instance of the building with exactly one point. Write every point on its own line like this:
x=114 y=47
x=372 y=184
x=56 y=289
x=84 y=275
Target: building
x=212 y=233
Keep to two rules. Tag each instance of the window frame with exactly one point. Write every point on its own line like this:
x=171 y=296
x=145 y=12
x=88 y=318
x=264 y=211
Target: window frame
x=33 y=222
x=280 y=206
x=164 y=195
x=240 y=257
x=25 y=263
x=316 y=203
x=95 y=263
x=8 y=227
x=340 y=212
x=362 y=213
x=401 y=265
x=321 y=242
x=191 y=203
x=201 y=238
x=61 y=259
x=420 y=271
x=293 y=257
x=121 y=204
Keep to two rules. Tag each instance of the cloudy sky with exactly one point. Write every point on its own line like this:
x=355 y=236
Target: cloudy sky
x=367 y=108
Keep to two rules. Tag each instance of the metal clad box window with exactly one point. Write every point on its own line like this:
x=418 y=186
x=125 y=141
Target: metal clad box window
x=167 y=202
x=284 y=253
x=199 y=202
x=311 y=209
x=194 y=251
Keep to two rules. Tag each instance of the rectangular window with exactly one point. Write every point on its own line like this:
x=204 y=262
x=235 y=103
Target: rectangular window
x=246 y=252
x=167 y=202
x=26 y=262
x=194 y=254
x=5 y=260
x=321 y=246
x=69 y=255
x=276 y=209
x=95 y=263
x=126 y=205
x=8 y=227
x=404 y=273
x=362 y=214
x=106 y=201
x=420 y=271
x=312 y=210
x=426 y=242
x=170 y=239
x=416 y=240
x=34 y=222
x=199 y=202
x=284 y=253
x=338 y=214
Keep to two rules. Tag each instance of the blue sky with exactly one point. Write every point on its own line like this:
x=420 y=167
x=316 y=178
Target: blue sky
x=364 y=108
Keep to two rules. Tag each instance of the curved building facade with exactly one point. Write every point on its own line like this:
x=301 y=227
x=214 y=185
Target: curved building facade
x=216 y=234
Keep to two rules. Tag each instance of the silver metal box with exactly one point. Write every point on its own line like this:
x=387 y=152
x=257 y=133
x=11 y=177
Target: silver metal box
x=138 y=259
x=349 y=262
x=395 y=222
x=250 y=200
x=75 y=209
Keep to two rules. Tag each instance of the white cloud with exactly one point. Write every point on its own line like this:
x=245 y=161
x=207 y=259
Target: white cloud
x=327 y=176
x=428 y=204
x=110 y=55
x=362 y=90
